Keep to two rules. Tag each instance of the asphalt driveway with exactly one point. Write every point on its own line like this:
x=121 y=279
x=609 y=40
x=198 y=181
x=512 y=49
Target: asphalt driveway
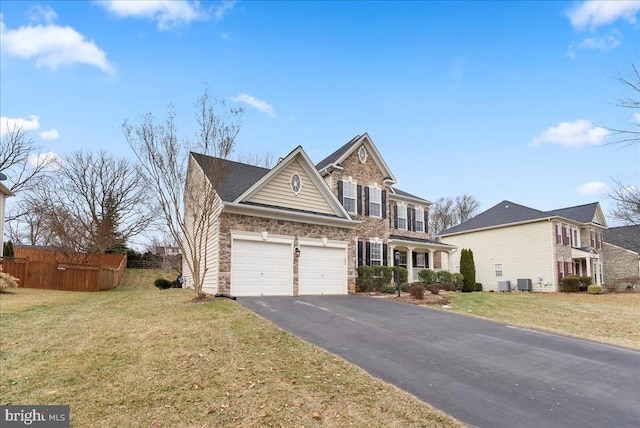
x=485 y=374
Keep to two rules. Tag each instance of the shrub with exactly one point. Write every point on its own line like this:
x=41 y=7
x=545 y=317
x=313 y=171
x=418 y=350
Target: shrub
x=364 y=281
x=585 y=280
x=447 y=286
x=416 y=290
x=388 y=289
x=162 y=283
x=433 y=288
x=428 y=276
x=631 y=283
x=445 y=276
x=468 y=270
x=7 y=280
x=570 y=284
x=478 y=287
x=8 y=249
x=458 y=281
x=594 y=289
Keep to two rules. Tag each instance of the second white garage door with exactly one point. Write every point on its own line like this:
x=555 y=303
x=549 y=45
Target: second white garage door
x=322 y=270
x=261 y=268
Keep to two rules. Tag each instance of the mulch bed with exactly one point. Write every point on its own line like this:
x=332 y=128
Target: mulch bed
x=429 y=299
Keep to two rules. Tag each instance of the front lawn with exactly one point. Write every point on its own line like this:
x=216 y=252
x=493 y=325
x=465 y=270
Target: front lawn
x=137 y=356
x=612 y=318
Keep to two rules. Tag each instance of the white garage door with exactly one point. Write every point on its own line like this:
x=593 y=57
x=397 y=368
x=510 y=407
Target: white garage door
x=261 y=268
x=322 y=270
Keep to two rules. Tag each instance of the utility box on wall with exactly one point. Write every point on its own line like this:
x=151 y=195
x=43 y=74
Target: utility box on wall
x=524 y=284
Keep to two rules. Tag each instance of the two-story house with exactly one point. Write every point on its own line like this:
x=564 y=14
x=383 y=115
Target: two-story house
x=511 y=242
x=4 y=194
x=300 y=228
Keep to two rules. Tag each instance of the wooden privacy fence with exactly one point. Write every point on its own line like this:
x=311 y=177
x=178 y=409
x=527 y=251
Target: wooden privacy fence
x=47 y=269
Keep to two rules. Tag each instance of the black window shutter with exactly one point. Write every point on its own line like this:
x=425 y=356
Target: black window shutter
x=395 y=216
x=384 y=204
x=340 y=192
x=384 y=254
x=426 y=260
x=360 y=253
x=359 y=200
x=410 y=217
x=426 y=222
x=368 y=258
x=366 y=201
x=414 y=259
x=413 y=219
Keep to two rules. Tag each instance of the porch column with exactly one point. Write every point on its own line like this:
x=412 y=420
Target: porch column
x=588 y=263
x=430 y=260
x=409 y=265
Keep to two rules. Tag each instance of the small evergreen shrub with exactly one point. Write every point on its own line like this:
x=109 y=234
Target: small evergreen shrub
x=416 y=290
x=447 y=286
x=404 y=287
x=428 y=276
x=388 y=289
x=594 y=289
x=162 y=283
x=478 y=286
x=445 y=276
x=458 y=281
x=585 y=280
x=570 y=284
x=364 y=281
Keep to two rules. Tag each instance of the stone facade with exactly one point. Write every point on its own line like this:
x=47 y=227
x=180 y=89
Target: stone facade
x=244 y=223
x=620 y=263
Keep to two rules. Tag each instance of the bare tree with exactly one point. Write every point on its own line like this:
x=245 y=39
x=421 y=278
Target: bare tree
x=630 y=99
x=447 y=212
x=94 y=204
x=187 y=199
x=28 y=224
x=627 y=197
x=20 y=160
x=627 y=203
x=264 y=160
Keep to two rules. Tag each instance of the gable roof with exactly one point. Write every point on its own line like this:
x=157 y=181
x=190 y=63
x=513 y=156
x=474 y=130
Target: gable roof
x=624 y=236
x=397 y=192
x=334 y=160
x=508 y=213
x=238 y=176
x=4 y=190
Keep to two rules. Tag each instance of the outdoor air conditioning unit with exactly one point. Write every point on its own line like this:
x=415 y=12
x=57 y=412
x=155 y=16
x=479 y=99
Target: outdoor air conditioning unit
x=504 y=285
x=524 y=284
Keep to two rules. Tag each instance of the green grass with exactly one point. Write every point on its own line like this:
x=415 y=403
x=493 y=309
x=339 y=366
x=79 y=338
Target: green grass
x=138 y=356
x=612 y=318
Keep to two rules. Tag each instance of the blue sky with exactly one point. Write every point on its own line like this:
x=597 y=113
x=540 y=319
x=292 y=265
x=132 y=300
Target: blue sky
x=500 y=100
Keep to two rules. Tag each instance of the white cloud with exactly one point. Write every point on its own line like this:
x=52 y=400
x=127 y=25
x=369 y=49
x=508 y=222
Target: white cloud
x=225 y=8
x=595 y=13
x=593 y=188
x=9 y=124
x=605 y=43
x=41 y=14
x=168 y=13
x=255 y=103
x=51 y=134
x=636 y=118
x=52 y=46
x=572 y=134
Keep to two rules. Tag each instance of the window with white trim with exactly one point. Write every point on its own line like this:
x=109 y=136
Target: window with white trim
x=375 y=202
x=498 y=268
x=349 y=194
x=419 y=219
x=376 y=253
x=420 y=260
x=402 y=216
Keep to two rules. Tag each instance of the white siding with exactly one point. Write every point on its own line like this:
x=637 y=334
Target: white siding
x=525 y=251
x=277 y=192
x=2 y=204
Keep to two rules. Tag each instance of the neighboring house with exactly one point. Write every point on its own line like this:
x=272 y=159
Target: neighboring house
x=4 y=194
x=161 y=250
x=300 y=229
x=511 y=242
x=622 y=253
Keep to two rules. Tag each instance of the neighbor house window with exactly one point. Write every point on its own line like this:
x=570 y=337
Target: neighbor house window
x=376 y=253
x=375 y=202
x=402 y=216
x=576 y=241
x=419 y=220
x=498 y=269
x=558 y=234
x=349 y=193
